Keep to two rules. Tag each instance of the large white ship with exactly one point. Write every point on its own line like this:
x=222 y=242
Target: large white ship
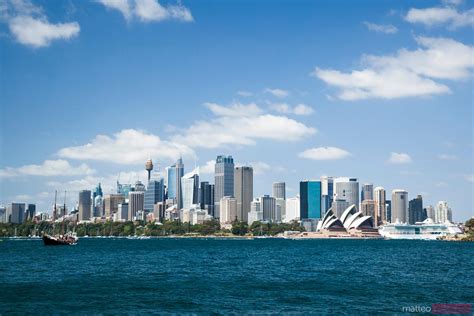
x=421 y=230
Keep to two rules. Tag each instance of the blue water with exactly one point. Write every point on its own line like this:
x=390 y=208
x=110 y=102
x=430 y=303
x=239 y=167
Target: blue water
x=269 y=276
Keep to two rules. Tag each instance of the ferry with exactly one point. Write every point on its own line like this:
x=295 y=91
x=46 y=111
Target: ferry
x=427 y=230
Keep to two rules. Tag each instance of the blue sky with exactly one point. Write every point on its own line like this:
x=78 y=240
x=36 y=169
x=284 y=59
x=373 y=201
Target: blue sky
x=379 y=90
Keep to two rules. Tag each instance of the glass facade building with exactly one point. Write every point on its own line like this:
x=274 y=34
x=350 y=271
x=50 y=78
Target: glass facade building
x=310 y=200
x=154 y=193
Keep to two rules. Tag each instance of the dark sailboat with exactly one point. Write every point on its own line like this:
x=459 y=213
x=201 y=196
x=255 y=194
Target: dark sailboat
x=59 y=240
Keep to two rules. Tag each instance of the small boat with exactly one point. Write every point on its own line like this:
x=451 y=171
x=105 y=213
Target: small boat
x=67 y=240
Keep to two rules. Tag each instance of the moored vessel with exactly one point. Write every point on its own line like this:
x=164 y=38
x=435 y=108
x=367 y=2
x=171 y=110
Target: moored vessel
x=427 y=230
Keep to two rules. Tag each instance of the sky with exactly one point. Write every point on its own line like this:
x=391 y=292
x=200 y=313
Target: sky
x=378 y=90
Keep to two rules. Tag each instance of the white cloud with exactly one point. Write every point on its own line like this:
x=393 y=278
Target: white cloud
x=30 y=26
x=279 y=93
x=469 y=177
x=300 y=109
x=405 y=74
x=244 y=93
x=208 y=168
x=324 y=153
x=441 y=16
x=399 y=158
x=129 y=146
x=447 y=157
x=149 y=10
x=235 y=109
x=48 y=168
x=381 y=28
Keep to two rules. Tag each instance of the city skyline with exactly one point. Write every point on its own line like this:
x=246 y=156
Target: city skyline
x=282 y=103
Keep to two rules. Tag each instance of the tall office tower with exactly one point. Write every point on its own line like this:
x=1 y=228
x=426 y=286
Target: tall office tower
x=416 y=213
x=139 y=186
x=206 y=197
x=30 y=212
x=399 y=206
x=279 y=190
x=111 y=202
x=98 y=206
x=190 y=189
x=256 y=213
x=369 y=208
x=347 y=189
x=224 y=180
x=3 y=214
x=135 y=204
x=243 y=191
x=443 y=212
x=367 y=192
x=155 y=192
x=388 y=211
x=174 y=175
x=292 y=209
x=339 y=206
x=149 y=168
x=85 y=205
x=310 y=200
x=430 y=212
x=228 y=210
x=280 y=209
x=15 y=213
x=379 y=198
x=97 y=192
x=268 y=208
x=327 y=193
x=122 y=212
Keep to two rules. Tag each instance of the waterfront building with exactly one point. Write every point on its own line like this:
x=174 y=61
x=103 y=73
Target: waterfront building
x=280 y=205
x=111 y=202
x=310 y=199
x=228 y=210
x=268 y=208
x=85 y=204
x=174 y=174
x=327 y=193
x=199 y=217
x=443 y=212
x=122 y=212
x=243 y=191
x=369 y=208
x=15 y=213
x=399 y=206
x=339 y=206
x=430 y=212
x=380 y=201
x=279 y=190
x=347 y=189
x=30 y=212
x=155 y=192
x=190 y=188
x=135 y=204
x=416 y=213
x=206 y=197
x=256 y=213
x=224 y=180
x=292 y=209
x=367 y=192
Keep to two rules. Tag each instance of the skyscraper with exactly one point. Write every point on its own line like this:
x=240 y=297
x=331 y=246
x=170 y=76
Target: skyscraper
x=30 y=212
x=224 y=180
x=206 y=197
x=268 y=208
x=430 y=212
x=379 y=198
x=369 y=208
x=111 y=202
x=347 y=189
x=228 y=210
x=15 y=213
x=255 y=213
x=327 y=193
x=443 y=212
x=155 y=192
x=279 y=190
x=243 y=191
x=190 y=189
x=292 y=209
x=135 y=204
x=416 y=213
x=339 y=206
x=310 y=200
x=85 y=204
x=367 y=192
x=280 y=210
x=174 y=175
x=399 y=206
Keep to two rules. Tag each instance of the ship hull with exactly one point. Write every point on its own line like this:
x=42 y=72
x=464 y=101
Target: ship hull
x=53 y=241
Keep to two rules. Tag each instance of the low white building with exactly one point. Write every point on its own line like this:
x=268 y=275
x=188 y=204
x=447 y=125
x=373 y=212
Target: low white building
x=292 y=209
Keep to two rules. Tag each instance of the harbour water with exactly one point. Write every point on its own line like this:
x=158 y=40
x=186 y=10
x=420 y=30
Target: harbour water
x=261 y=276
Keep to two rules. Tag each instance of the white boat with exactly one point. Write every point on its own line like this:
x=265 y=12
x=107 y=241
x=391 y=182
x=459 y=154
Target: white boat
x=427 y=230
